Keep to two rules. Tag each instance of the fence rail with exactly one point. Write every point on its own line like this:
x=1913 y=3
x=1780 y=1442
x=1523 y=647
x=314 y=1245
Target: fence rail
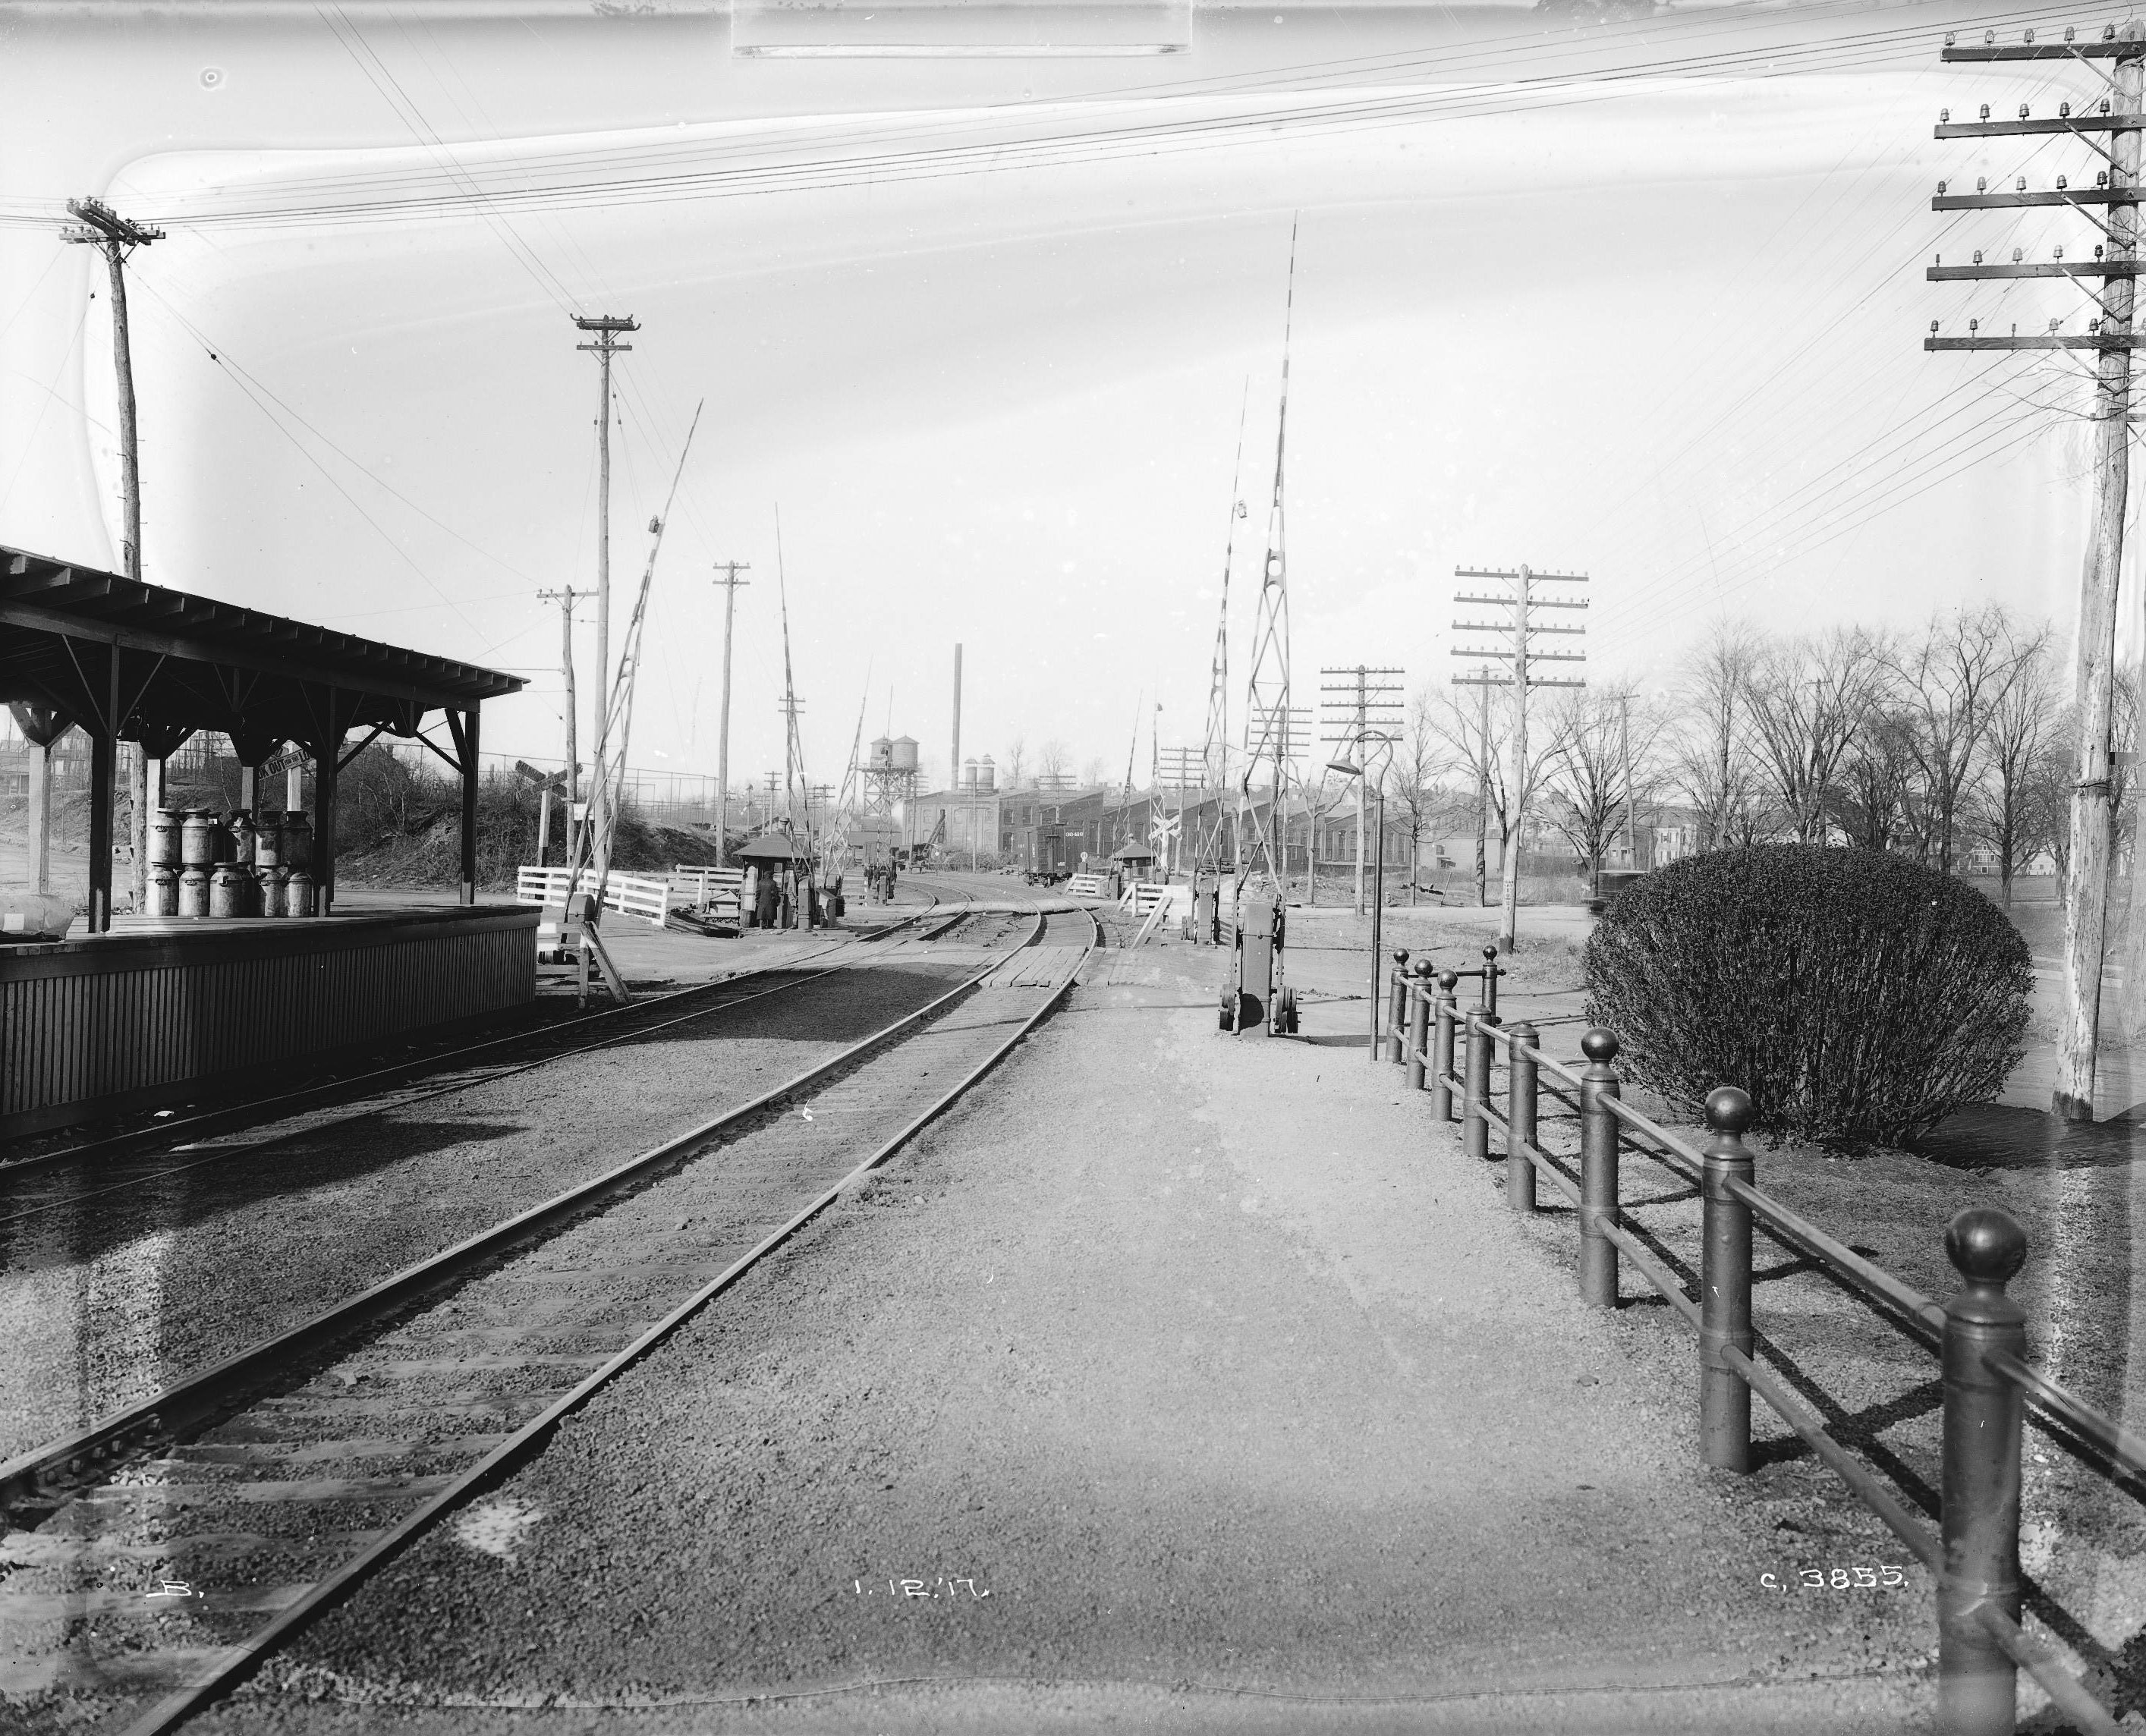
x=1979 y=1335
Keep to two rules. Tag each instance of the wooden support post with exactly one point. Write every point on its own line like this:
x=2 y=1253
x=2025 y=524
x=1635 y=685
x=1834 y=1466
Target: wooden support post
x=465 y=735
x=41 y=726
x=104 y=766
x=325 y=775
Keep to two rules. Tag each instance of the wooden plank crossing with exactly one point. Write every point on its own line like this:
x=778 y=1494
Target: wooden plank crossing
x=1036 y=967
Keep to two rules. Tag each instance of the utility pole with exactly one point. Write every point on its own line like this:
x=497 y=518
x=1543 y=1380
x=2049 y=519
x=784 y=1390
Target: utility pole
x=2109 y=334
x=1519 y=629
x=607 y=328
x=730 y=581
x=102 y=227
x=1357 y=725
x=565 y=598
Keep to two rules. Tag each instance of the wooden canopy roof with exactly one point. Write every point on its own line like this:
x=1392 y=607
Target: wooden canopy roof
x=145 y=664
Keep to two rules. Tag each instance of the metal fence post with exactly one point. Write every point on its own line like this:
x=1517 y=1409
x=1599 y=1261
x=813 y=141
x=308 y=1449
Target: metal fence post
x=1419 y=1022
x=1520 y=1117
x=1977 y=1680
x=1444 y=1007
x=1490 y=974
x=1724 y=1291
x=1598 y=1170
x=1475 y=1124
x=1397 y=1004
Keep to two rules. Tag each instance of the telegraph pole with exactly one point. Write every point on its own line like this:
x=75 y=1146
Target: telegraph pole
x=102 y=227
x=1361 y=697
x=2109 y=334
x=565 y=598
x=1519 y=598
x=607 y=328
x=730 y=581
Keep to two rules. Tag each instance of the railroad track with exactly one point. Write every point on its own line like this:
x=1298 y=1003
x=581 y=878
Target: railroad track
x=194 y=1127
x=345 y=1093
x=177 y=1544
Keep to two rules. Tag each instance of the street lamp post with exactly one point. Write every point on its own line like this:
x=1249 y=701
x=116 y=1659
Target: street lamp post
x=1378 y=875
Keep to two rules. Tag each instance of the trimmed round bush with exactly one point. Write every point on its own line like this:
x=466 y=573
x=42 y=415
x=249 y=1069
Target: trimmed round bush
x=1859 y=997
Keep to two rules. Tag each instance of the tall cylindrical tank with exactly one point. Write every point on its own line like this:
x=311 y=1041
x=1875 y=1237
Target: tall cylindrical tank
x=882 y=755
x=197 y=839
x=164 y=831
x=901 y=754
x=987 y=775
x=226 y=895
x=968 y=774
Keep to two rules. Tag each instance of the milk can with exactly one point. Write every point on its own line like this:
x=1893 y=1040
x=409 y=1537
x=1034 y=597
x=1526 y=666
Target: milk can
x=226 y=890
x=298 y=893
x=271 y=882
x=268 y=841
x=194 y=891
x=242 y=836
x=298 y=840
x=164 y=890
x=197 y=839
x=164 y=824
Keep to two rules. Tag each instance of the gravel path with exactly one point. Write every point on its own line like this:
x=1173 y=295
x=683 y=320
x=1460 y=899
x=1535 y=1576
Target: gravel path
x=1196 y=1385
x=103 y=1302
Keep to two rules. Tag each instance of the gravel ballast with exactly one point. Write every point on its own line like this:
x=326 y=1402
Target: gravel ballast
x=1197 y=1385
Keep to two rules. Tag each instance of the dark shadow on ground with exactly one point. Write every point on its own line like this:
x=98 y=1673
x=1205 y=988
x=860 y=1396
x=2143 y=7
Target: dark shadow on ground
x=2001 y=1136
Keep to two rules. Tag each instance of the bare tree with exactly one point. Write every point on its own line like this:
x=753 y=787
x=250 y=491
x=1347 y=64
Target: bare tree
x=1812 y=698
x=1480 y=753
x=1016 y=761
x=1949 y=676
x=1419 y=756
x=1052 y=760
x=1876 y=799
x=2000 y=809
x=1712 y=765
x=1095 y=772
x=1589 y=801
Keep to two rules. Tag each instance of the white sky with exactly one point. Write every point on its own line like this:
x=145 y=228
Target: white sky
x=1665 y=329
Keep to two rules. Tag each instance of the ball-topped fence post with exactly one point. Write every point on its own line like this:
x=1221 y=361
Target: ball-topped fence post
x=1978 y=1687
x=1598 y=1169
x=1725 y=1298
x=1521 y=1105
x=1397 y=1012
x=1444 y=1007
x=1418 y=1021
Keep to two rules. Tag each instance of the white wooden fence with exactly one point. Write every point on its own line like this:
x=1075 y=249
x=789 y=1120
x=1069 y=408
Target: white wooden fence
x=1087 y=886
x=710 y=888
x=630 y=894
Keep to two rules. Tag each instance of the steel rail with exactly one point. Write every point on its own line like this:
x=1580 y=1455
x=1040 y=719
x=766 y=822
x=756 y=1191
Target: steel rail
x=358 y=1109
x=1660 y=1275
x=1843 y=1463
x=2069 y=1694
x=208 y=1392
x=2043 y=1395
x=236 y=1662
x=328 y=1088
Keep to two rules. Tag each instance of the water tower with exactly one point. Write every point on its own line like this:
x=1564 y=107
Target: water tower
x=889 y=773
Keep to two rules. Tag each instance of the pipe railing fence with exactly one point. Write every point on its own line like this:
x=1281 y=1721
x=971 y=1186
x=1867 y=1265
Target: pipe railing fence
x=1979 y=1335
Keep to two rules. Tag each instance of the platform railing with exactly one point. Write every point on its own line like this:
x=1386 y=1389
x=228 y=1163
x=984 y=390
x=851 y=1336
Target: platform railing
x=1979 y=1335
